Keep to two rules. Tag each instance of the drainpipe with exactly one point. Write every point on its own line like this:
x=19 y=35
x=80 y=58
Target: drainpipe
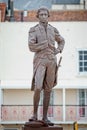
x=12 y=11
x=9 y=9
x=64 y=109
x=84 y=3
x=24 y=14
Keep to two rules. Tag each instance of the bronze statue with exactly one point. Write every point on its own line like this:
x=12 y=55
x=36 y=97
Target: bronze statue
x=41 y=40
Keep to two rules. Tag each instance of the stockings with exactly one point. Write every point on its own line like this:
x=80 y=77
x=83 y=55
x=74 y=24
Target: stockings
x=36 y=101
x=46 y=100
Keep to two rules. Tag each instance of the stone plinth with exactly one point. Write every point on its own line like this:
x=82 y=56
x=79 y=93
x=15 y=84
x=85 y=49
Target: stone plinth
x=44 y=128
x=39 y=126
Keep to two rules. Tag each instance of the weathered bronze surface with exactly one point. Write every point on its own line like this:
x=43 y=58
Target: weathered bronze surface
x=43 y=128
x=41 y=41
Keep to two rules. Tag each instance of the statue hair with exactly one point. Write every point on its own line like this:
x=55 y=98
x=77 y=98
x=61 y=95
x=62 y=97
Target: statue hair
x=42 y=8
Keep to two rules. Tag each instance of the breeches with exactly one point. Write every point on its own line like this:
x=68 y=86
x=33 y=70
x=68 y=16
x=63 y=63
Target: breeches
x=45 y=74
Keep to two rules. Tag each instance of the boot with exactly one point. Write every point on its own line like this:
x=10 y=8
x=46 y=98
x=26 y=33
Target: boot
x=36 y=103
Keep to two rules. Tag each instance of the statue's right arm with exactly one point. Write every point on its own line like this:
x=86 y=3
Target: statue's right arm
x=33 y=44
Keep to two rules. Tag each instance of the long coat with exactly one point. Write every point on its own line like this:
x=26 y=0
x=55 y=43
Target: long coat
x=40 y=41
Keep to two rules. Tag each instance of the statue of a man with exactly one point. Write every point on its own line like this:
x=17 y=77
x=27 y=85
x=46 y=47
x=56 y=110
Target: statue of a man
x=41 y=40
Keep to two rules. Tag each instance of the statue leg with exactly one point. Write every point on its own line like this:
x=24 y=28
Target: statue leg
x=39 y=77
x=36 y=101
x=45 y=107
x=48 y=85
x=46 y=101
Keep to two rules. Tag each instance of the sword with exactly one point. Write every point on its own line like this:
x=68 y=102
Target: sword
x=59 y=62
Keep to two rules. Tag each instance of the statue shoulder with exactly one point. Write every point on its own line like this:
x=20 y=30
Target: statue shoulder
x=51 y=26
x=55 y=29
x=32 y=29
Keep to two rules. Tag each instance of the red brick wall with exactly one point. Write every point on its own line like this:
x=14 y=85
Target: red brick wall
x=68 y=15
x=79 y=15
x=2 y=9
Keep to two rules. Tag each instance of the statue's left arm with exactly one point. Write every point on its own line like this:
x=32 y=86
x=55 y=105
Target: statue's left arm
x=60 y=41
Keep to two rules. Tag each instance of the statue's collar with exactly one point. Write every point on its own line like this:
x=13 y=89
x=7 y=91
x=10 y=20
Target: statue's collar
x=43 y=25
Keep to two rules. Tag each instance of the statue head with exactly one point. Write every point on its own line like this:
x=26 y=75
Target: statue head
x=43 y=8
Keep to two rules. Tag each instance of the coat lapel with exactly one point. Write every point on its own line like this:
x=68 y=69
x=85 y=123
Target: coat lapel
x=42 y=30
x=48 y=31
x=44 y=34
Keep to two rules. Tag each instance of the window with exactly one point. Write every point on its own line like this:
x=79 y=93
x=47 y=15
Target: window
x=83 y=61
x=82 y=102
x=66 y=1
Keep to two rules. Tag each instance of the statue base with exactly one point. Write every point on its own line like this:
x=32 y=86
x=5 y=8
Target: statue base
x=40 y=125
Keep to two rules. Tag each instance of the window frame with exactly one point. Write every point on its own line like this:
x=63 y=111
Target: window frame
x=66 y=2
x=82 y=108
x=84 y=73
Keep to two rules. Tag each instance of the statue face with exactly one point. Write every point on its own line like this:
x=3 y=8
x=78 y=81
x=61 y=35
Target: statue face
x=43 y=16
